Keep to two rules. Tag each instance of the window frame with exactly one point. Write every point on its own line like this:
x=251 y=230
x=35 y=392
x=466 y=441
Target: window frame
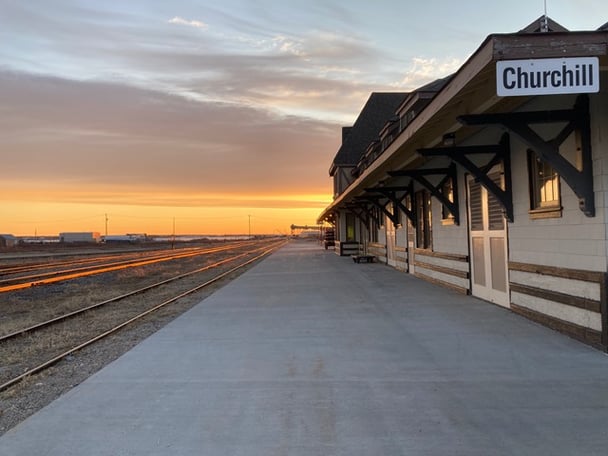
x=541 y=208
x=424 y=226
x=447 y=218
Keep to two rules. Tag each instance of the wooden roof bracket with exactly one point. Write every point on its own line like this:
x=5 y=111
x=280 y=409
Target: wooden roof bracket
x=361 y=211
x=578 y=119
x=391 y=194
x=500 y=153
x=419 y=175
x=375 y=200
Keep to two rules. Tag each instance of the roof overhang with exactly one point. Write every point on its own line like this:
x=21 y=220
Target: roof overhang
x=472 y=90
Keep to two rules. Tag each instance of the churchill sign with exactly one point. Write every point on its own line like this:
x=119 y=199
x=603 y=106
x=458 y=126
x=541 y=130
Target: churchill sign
x=547 y=76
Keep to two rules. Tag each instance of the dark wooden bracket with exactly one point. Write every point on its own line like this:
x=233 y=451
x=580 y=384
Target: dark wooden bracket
x=392 y=194
x=501 y=153
x=375 y=200
x=419 y=175
x=362 y=212
x=577 y=119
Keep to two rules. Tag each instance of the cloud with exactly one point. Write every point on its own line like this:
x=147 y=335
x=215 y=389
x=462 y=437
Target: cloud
x=192 y=23
x=94 y=136
x=288 y=45
x=143 y=197
x=253 y=107
x=423 y=70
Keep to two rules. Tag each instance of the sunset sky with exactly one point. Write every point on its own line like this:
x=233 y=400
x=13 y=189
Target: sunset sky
x=207 y=113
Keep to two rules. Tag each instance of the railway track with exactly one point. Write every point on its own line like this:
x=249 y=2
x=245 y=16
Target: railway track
x=129 y=313
x=77 y=259
x=38 y=274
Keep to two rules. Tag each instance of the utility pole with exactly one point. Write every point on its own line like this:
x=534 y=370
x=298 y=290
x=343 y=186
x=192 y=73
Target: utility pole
x=106 y=225
x=249 y=226
x=173 y=237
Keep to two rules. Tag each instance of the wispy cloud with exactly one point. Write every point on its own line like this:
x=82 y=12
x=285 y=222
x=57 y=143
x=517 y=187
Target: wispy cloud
x=423 y=70
x=288 y=45
x=191 y=23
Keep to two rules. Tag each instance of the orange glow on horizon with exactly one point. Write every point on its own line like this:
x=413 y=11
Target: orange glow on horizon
x=189 y=214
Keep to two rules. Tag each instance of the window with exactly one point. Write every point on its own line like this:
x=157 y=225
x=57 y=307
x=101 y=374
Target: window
x=448 y=192
x=373 y=224
x=423 y=212
x=350 y=227
x=545 y=201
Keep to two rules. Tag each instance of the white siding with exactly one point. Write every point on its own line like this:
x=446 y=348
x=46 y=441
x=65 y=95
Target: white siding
x=571 y=241
x=459 y=282
x=583 y=289
x=581 y=317
x=401 y=233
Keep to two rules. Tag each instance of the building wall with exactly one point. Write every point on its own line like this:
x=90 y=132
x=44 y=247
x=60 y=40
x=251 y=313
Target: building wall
x=447 y=236
x=447 y=262
x=342 y=179
x=572 y=240
x=599 y=140
x=557 y=265
x=80 y=237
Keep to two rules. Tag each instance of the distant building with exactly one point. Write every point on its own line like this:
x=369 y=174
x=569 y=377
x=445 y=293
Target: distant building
x=8 y=240
x=130 y=238
x=89 y=236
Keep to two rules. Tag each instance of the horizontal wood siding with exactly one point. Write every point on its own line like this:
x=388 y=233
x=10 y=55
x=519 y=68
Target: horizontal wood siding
x=446 y=269
x=586 y=335
x=571 y=301
x=347 y=248
x=378 y=250
x=401 y=258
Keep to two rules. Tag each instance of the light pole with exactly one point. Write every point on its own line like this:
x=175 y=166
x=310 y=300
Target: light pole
x=249 y=227
x=173 y=237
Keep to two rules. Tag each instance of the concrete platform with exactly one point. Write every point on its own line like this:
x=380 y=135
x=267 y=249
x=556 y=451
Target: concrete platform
x=311 y=354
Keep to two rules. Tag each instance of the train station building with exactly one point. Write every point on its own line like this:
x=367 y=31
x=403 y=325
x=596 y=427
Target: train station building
x=492 y=181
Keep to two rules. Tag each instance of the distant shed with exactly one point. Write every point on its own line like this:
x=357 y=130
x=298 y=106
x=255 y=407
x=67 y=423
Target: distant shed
x=89 y=236
x=8 y=240
x=129 y=238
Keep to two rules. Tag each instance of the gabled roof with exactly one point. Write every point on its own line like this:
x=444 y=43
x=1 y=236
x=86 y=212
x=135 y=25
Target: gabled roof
x=420 y=97
x=536 y=26
x=379 y=107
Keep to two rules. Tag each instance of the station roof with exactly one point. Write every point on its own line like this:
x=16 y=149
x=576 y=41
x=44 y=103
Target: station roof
x=379 y=107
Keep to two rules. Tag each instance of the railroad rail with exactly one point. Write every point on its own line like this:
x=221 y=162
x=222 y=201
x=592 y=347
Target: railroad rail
x=259 y=254
x=41 y=278
x=90 y=258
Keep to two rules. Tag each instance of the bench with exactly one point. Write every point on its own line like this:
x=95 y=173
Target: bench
x=365 y=258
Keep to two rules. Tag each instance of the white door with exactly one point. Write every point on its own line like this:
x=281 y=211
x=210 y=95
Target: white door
x=488 y=232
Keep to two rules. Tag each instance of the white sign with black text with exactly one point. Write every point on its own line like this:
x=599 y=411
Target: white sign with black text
x=547 y=76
